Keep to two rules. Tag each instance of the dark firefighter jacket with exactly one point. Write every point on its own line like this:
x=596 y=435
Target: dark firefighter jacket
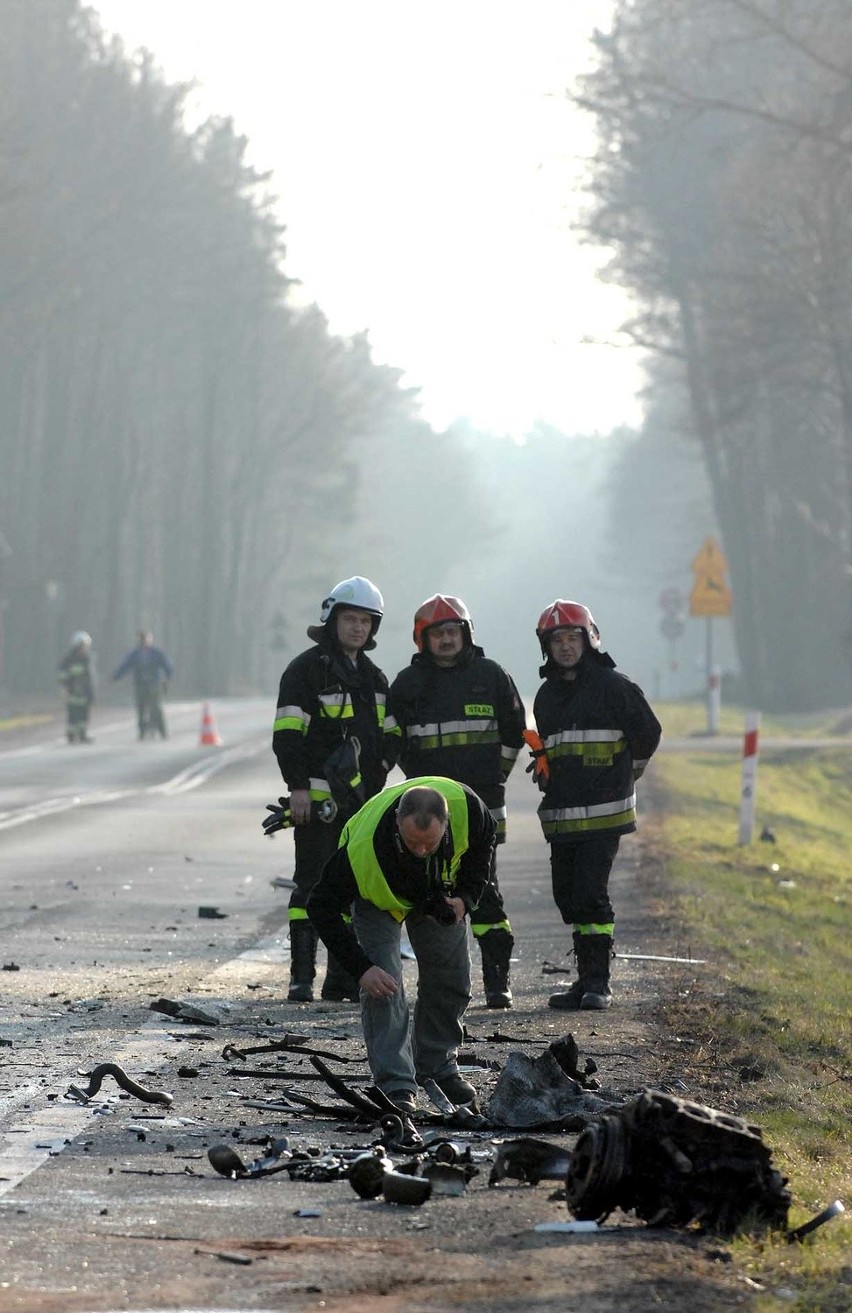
x=323 y=700
x=599 y=733
x=459 y=869
x=77 y=677
x=464 y=721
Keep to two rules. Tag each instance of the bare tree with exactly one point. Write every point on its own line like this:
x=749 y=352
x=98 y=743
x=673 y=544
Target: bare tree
x=722 y=184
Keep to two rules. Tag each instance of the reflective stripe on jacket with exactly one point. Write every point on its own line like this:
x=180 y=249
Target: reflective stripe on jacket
x=465 y=722
x=594 y=729
x=323 y=700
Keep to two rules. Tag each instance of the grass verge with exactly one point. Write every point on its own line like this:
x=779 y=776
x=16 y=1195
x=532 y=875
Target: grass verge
x=771 y=1029
x=687 y=718
x=25 y=721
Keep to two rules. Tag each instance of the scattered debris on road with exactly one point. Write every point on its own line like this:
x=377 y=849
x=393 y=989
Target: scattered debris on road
x=530 y=1161
x=548 y=1092
x=668 y=1162
x=676 y=1164
x=125 y=1082
x=185 y=1012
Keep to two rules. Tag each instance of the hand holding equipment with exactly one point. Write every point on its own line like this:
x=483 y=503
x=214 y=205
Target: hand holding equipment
x=281 y=817
x=439 y=909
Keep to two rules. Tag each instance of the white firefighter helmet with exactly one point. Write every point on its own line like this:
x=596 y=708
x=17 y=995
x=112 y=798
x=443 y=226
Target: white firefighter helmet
x=356 y=592
x=80 y=637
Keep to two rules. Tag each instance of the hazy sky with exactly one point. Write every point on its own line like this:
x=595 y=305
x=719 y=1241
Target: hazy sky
x=428 y=165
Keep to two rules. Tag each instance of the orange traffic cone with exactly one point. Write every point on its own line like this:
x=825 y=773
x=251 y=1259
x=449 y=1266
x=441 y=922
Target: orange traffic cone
x=209 y=733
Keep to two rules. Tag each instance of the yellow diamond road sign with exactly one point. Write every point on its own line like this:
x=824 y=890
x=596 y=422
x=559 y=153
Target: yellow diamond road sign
x=710 y=594
x=710 y=597
x=710 y=560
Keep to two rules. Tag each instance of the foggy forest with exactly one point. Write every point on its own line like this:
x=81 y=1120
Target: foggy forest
x=185 y=448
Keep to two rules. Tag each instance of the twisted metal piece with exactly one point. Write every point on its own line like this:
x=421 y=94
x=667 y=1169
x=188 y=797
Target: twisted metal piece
x=124 y=1081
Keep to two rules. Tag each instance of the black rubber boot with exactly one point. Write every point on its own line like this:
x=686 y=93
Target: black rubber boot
x=597 y=951
x=496 y=948
x=571 y=998
x=303 y=958
x=338 y=985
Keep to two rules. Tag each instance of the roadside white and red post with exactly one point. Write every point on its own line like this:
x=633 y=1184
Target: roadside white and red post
x=748 y=780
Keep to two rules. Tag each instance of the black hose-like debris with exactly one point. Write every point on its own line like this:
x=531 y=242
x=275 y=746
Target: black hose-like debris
x=124 y=1081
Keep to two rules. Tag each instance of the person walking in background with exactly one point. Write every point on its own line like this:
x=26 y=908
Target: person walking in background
x=598 y=734
x=461 y=716
x=152 y=670
x=420 y=852
x=334 y=744
x=77 y=677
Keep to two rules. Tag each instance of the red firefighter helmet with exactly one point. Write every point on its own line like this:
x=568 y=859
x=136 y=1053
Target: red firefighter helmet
x=435 y=611
x=567 y=615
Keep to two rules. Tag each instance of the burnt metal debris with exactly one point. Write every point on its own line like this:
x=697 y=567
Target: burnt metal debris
x=290 y=1043
x=668 y=1161
x=185 y=1012
x=125 y=1082
x=530 y=1161
x=833 y=1210
x=676 y=1164
x=445 y=1178
x=227 y=1162
x=367 y=1173
x=439 y=1168
x=548 y=1092
x=400 y=1188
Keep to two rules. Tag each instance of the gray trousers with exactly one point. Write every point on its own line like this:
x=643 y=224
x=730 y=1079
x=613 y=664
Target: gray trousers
x=401 y=1054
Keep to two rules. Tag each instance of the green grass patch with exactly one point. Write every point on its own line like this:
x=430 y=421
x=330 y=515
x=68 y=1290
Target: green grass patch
x=687 y=718
x=24 y=722
x=773 y=1024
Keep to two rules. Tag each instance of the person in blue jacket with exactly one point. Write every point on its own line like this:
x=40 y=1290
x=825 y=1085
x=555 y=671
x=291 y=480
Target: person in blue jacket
x=152 y=670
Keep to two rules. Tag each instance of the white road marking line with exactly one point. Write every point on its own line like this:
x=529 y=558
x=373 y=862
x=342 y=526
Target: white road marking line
x=44 y=1132
x=189 y=778
x=200 y=771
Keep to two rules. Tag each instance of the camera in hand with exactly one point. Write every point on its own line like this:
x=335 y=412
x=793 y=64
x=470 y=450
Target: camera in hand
x=439 y=909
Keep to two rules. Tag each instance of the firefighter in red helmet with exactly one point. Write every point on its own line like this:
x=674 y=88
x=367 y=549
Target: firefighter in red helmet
x=461 y=717
x=598 y=734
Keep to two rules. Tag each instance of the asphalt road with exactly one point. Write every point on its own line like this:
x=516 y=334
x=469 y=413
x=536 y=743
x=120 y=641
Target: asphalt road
x=107 y=853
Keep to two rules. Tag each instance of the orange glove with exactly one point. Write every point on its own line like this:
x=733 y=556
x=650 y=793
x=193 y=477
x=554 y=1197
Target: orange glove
x=539 y=767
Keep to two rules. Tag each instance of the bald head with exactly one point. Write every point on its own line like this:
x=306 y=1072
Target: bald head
x=423 y=805
x=421 y=819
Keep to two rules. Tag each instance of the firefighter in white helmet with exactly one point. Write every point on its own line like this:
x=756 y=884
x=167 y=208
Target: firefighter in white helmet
x=334 y=744
x=461 y=716
x=598 y=734
x=77 y=677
